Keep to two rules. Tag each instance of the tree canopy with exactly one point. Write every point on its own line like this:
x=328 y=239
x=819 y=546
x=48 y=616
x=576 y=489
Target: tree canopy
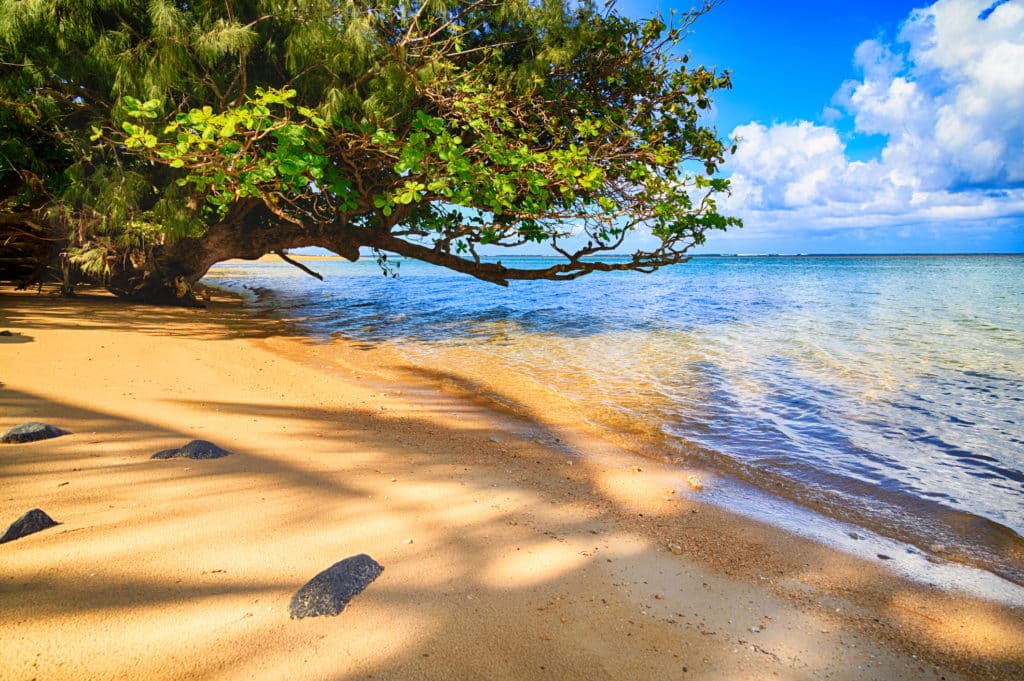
x=149 y=139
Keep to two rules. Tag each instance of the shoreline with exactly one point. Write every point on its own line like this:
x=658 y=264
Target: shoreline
x=523 y=553
x=930 y=543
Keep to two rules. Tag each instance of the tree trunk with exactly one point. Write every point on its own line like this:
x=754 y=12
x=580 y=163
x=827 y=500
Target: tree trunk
x=28 y=249
x=248 y=232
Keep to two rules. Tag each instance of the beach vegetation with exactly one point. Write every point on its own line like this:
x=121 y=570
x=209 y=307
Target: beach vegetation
x=146 y=140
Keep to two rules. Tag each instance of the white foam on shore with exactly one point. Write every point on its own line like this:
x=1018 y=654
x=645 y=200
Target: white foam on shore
x=903 y=559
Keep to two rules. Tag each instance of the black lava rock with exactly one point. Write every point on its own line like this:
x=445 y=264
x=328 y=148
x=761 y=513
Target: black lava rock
x=33 y=521
x=197 y=449
x=30 y=432
x=330 y=591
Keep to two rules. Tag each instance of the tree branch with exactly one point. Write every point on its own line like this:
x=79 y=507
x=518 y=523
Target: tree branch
x=284 y=256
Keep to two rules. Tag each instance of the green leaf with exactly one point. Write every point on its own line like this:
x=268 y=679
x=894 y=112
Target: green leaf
x=382 y=137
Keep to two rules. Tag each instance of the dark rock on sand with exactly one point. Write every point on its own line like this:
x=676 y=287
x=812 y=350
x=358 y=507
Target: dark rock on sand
x=32 y=431
x=197 y=449
x=33 y=521
x=330 y=591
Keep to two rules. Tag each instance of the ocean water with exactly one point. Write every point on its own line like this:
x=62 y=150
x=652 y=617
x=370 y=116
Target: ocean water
x=885 y=391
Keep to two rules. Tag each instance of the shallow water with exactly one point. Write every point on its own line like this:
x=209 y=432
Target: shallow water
x=884 y=391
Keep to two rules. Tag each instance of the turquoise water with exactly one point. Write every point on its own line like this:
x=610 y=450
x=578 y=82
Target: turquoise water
x=887 y=391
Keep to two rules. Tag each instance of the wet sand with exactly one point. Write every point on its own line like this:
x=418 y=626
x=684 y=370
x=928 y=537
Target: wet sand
x=512 y=548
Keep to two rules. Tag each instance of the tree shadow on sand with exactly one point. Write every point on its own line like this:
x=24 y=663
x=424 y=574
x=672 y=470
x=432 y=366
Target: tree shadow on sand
x=195 y=562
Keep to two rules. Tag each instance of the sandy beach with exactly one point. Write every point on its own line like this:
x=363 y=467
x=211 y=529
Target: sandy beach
x=512 y=548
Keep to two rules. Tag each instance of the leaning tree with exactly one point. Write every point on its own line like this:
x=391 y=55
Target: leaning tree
x=151 y=139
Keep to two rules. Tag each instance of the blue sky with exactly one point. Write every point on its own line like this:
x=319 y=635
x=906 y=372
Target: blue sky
x=868 y=126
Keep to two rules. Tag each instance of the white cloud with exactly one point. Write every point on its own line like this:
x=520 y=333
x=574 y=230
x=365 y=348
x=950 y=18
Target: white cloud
x=948 y=96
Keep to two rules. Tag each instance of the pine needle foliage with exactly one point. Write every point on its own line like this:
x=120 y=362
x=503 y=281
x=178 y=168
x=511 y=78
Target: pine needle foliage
x=161 y=135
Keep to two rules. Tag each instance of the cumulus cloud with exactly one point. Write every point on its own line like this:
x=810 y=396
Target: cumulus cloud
x=948 y=95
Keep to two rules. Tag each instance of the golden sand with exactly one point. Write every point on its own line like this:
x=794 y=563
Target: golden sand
x=510 y=551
